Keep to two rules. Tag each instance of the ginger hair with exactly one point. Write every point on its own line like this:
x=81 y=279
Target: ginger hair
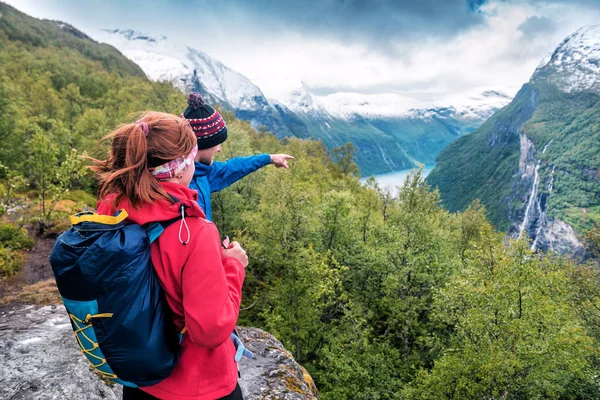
x=125 y=173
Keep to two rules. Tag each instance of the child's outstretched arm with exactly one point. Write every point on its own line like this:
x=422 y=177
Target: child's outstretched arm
x=223 y=174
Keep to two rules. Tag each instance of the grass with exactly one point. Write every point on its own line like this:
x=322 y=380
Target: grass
x=40 y=293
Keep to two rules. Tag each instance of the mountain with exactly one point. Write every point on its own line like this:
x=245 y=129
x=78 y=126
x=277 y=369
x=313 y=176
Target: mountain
x=399 y=131
x=190 y=70
x=536 y=163
x=423 y=129
x=575 y=64
x=47 y=34
x=388 y=132
x=377 y=151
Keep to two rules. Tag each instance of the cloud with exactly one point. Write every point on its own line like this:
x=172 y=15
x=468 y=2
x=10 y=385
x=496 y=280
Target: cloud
x=502 y=51
x=534 y=26
x=420 y=48
x=584 y=3
x=378 y=23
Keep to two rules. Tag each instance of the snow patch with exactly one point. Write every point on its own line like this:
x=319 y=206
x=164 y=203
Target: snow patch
x=300 y=100
x=478 y=105
x=575 y=64
x=159 y=67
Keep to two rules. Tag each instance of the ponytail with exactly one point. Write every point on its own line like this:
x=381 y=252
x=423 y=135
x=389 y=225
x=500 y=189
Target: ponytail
x=125 y=173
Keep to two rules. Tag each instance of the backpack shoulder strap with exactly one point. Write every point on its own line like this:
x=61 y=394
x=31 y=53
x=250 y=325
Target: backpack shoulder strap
x=155 y=229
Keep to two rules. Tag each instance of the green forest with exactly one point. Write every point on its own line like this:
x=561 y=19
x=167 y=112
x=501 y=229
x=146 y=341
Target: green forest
x=378 y=296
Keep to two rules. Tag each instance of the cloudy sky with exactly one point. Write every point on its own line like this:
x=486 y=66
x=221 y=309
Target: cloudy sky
x=423 y=49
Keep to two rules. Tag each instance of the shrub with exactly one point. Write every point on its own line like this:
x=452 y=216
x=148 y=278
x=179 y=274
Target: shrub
x=10 y=262
x=15 y=238
x=58 y=224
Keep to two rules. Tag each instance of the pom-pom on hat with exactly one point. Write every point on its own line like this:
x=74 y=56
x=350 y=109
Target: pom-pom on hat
x=206 y=122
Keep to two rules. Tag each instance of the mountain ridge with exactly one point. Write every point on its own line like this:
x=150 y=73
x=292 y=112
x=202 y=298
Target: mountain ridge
x=401 y=139
x=535 y=164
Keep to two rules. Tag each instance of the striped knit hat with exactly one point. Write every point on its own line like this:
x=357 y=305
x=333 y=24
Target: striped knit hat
x=206 y=122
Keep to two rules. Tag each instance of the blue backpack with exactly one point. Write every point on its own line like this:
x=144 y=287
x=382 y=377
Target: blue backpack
x=117 y=308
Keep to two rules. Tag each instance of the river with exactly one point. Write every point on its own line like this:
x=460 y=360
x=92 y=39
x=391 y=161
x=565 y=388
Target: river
x=392 y=180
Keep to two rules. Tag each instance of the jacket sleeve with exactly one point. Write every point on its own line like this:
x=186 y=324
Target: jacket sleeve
x=212 y=290
x=224 y=174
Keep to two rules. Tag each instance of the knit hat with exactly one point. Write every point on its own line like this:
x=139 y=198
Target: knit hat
x=206 y=122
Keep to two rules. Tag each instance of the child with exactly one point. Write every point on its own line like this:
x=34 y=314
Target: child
x=211 y=176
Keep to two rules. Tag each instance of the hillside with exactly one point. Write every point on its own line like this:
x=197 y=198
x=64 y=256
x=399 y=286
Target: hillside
x=536 y=164
x=34 y=33
x=464 y=172
x=64 y=90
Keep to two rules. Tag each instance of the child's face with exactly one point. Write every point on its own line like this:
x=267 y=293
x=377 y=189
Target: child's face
x=206 y=156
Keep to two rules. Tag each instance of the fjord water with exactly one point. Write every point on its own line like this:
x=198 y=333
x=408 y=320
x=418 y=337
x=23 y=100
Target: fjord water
x=395 y=179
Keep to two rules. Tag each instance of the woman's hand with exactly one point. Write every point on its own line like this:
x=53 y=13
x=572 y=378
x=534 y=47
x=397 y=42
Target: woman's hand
x=234 y=250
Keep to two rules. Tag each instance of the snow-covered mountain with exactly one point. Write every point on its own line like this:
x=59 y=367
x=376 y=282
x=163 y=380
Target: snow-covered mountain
x=389 y=131
x=476 y=105
x=574 y=66
x=163 y=60
x=421 y=128
x=190 y=69
x=376 y=151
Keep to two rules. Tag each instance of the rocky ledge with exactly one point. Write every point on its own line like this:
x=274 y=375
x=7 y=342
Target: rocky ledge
x=39 y=359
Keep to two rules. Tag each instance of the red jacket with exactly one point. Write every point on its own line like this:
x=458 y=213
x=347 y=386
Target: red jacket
x=203 y=289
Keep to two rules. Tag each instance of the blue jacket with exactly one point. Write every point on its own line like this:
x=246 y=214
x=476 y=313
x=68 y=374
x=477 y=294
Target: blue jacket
x=219 y=175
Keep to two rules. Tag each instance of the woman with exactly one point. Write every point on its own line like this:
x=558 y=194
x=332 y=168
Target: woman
x=147 y=173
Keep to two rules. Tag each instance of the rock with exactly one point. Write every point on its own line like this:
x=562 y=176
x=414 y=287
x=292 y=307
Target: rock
x=563 y=239
x=39 y=359
x=272 y=373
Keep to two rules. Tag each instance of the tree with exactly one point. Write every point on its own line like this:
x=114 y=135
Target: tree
x=50 y=176
x=592 y=241
x=513 y=331
x=73 y=101
x=343 y=157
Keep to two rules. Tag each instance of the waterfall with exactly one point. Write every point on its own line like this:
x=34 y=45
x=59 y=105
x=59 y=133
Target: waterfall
x=551 y=178
x=386 y=158
x=533 y=200
x=546 y=146
x=542 y=219
x=536 y=178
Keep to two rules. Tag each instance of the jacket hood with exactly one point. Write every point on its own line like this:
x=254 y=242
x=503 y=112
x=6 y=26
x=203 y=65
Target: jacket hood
x=201 y=169
x=160 y=210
